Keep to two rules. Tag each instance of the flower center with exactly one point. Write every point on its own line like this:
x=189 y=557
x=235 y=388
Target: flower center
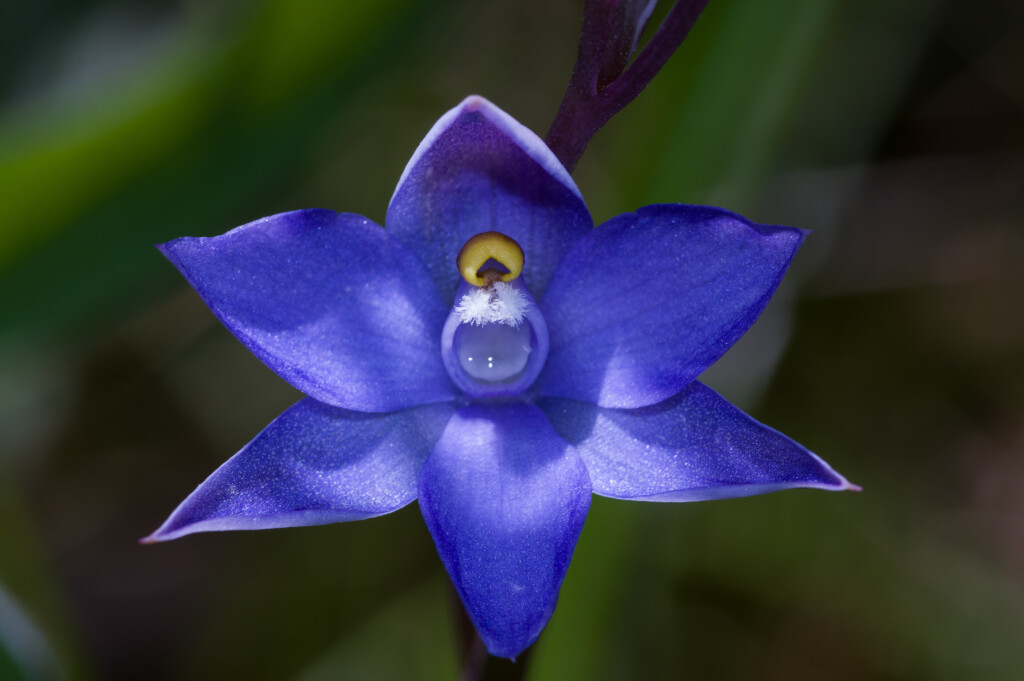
x=495 y=339
x=493 y=353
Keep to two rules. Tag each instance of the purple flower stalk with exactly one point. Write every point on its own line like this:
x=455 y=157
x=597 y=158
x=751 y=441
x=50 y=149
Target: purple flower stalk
x=604 y=80
x=499 y=382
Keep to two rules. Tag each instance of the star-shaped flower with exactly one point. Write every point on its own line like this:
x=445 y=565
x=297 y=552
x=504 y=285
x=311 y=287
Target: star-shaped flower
x=591 y=356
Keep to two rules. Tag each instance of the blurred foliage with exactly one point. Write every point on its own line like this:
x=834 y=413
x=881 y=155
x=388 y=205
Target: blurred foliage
x=213 y=120
x=894 y=130
x=34 y=641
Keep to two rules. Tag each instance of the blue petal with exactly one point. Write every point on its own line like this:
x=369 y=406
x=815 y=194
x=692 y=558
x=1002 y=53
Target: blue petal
x=314 y=464
x=505 y=498
x=693 y=446
x=479 y=170
x=330 y=302
x=651 y=299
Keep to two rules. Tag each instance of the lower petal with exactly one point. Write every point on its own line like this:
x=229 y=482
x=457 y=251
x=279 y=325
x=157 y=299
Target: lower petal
x=505 y=499
x=315 y=464
x=693 y=446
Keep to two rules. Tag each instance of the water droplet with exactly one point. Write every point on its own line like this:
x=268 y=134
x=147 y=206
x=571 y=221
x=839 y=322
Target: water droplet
x=502 y=348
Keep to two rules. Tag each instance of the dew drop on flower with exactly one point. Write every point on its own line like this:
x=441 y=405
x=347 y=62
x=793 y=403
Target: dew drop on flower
x=493 y=352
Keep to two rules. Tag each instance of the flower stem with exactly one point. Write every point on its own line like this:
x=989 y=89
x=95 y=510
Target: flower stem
x=477 y=664
x=601 y=84
x=476 y=660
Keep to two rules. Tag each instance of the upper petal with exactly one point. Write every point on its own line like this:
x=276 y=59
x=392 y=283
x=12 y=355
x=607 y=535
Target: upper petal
x=479 y=170
x=329 y=301
x=691 y=447
x=649 y=300
x=314 y=464
x=505 y=499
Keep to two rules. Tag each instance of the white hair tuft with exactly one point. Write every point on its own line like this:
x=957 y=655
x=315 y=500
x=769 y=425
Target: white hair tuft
x=499 y=303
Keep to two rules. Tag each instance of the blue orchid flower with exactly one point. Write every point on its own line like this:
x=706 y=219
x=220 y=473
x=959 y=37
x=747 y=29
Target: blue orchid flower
x=592 y=339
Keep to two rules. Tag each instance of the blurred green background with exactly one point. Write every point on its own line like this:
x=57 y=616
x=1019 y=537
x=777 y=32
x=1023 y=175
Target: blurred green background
x=895 y=349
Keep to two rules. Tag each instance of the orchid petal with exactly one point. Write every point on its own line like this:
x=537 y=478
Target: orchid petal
x=330 y=302
x=693 y=446
x=480 y=170
x=649 y=300
x=505 y=499
x=315 y=464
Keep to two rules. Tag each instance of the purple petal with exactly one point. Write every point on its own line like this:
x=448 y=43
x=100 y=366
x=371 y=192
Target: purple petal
x=314 y=464
x=330 y=302
x=693 y=446
x=505 y=498
x=651 y=299
x=479 y=170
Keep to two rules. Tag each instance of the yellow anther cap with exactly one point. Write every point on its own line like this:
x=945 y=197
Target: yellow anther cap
x=481 y=248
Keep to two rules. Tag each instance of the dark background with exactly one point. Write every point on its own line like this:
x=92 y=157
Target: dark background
x=895 y=349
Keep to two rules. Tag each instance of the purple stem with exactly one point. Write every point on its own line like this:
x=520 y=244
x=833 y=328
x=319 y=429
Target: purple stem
x=598 y=88
x=477 y=665
x=476 y=660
